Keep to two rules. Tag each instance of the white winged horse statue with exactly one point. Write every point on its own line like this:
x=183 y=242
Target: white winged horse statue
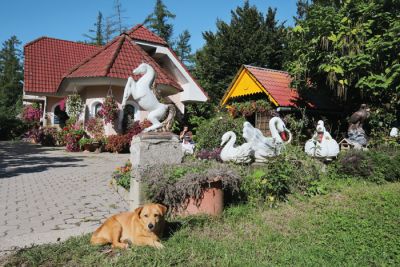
x=143 y=95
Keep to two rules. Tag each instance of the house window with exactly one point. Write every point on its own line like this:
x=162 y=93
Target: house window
x=97 y=108
x=60 y=116
x=129 y=117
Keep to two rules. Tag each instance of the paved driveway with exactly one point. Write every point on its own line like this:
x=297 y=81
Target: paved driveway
x=47 y=194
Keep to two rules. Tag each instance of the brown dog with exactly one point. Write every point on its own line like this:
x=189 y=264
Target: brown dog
x=143 y=227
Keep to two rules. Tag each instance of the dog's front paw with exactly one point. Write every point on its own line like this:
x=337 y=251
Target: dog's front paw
x=158 y=245
x=120 y=245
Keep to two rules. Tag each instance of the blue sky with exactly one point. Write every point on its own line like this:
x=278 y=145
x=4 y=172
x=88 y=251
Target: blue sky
x=70 y=19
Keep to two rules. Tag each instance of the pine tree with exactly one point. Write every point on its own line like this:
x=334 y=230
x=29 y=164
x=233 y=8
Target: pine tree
x=11 y=76
x=98 y=38
x=249 y=38
x=183 y=49
x=158 y=21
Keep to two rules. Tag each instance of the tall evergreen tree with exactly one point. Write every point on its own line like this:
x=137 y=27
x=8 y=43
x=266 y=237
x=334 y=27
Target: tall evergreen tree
x=183 y=49
x=249 y=38
x=11 y=76
x=158 y=21
x=98 y=38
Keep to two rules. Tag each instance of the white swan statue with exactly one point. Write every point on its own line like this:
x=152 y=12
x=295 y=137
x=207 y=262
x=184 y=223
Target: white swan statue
x=265 y=147
x=239 y=154
x=394 y=132
x=143 y=95
x=322 y=145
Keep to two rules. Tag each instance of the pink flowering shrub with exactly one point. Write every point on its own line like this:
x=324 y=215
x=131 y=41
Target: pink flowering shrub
x=70 y=136
x=121 y=143
x=95 y=127
x=31 y=113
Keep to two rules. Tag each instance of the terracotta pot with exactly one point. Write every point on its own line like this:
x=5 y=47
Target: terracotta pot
x=212 y=202
x=91 y=147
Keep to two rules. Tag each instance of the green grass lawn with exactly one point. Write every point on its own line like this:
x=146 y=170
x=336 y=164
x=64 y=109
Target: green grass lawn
x=358 y=224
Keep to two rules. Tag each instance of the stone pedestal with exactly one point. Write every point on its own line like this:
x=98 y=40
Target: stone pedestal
x=150 y=150
x=357 y=137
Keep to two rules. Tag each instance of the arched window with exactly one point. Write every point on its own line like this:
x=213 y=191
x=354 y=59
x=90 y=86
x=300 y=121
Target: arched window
x=97 y=108
x=129 y=116
x=60 y=116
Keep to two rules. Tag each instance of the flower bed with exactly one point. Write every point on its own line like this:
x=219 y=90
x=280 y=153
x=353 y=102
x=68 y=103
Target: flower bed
x=122 y=175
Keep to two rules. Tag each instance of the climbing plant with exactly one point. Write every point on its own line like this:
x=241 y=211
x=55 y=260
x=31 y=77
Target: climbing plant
x=74 y=105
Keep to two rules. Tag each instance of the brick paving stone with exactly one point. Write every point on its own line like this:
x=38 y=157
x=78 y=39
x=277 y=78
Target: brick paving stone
x=42 y=189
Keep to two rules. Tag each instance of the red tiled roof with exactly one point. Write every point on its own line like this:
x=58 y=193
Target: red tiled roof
x=47 y=59
x=277 y=83
x=117 y=59
x=141 y=33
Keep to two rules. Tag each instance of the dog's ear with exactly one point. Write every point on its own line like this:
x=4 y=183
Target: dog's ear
x=163 y=208
x=138 y=211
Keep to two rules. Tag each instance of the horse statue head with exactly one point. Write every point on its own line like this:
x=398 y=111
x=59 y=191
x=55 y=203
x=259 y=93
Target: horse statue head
x=142 y=68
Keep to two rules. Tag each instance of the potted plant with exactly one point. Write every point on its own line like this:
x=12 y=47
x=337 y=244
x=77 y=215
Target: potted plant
x=89 y=144
x=192 y=188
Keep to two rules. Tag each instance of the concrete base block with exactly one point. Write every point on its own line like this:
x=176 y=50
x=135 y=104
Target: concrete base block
x=149 y=150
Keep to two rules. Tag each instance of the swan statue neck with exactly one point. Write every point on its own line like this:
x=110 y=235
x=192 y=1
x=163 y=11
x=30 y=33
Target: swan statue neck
x=232 y=139
x=273 y=128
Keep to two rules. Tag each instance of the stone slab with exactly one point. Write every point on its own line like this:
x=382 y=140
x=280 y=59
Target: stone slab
x=149 y=150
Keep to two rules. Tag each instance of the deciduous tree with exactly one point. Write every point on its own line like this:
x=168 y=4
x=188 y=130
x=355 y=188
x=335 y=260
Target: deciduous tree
x=351 y=48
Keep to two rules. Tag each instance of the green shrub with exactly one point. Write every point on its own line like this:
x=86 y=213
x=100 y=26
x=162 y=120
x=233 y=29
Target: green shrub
x=263 y=185
x=375 y=165
x=291 y=172
x=11 y=128
x=385 y=166
x=48 y=136
x=355 y=163
x=209 y=132
x=171 y=185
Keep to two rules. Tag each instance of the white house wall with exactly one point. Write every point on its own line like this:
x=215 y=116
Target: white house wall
x=191 y=90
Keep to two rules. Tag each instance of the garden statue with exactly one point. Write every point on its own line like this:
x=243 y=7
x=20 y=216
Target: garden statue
x=322 y=145
x=264 y=147
x=357 y=136
x=394 y=132
x=143 y=95
x=239 y=154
